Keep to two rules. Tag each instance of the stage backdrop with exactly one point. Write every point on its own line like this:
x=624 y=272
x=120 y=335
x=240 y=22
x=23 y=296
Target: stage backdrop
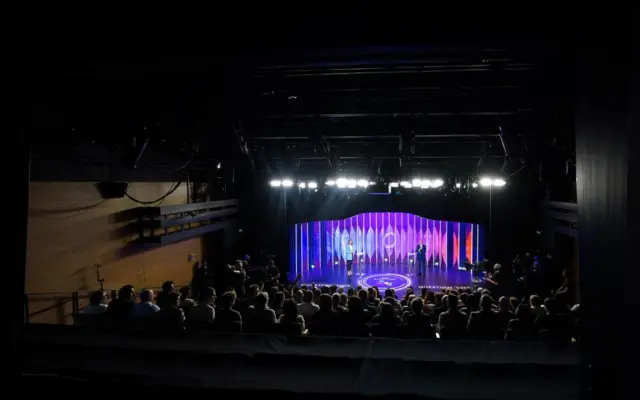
x=384 y=238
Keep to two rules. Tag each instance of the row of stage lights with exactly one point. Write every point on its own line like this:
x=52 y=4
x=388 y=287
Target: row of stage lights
x=344 y=183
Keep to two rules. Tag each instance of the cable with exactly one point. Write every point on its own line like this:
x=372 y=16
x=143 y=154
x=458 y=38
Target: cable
x=161 y=198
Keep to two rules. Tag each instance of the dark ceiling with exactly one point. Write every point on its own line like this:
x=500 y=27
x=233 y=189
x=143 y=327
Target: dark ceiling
x=377 y=111
x=404 y=110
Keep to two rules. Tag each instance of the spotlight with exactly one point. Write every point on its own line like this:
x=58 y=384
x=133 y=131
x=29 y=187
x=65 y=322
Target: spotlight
x=386 y=259
x=416 y=182
x=331 y=182
x=275 y=183
x=313 y=185
x=302 y=185
x=437 y=183
x=219 y=165
x=411 y=261
x=312 y=266
x=499 y=182
x=486 y=182
x=287 y=182
x=426 y=184
x=342 y=183
x=393 y=184
x=372 y=183
x=352 y=183
x=405 y=184
x=336 y=263
x=458 y=185
x=475 y=185
x=363 y=183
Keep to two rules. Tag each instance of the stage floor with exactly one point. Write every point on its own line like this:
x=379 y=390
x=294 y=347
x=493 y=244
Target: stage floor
x=394 y=276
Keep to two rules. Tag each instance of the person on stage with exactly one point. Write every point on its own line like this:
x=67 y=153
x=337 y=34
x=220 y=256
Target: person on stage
x=349 y=256
x=421 y=256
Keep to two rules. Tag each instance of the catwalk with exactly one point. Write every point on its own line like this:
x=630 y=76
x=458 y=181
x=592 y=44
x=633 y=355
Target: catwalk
x=396 y=276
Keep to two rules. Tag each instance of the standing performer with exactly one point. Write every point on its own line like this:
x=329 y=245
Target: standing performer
x=349 y=256
x=421 y=256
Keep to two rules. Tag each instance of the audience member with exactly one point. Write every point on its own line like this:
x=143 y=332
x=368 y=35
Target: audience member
x=307 y=308
x=145 y=308
x=96 y=304
x=290 y=314
x=485 y=324
x=204 y=313
x=171 y=318
x=452 y=323
x=161 y=298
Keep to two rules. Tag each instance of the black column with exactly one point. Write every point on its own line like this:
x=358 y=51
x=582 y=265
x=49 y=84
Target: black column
x=607 y=184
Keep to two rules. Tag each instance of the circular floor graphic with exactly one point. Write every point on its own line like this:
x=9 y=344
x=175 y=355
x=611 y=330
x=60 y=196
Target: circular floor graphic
x=385 y=281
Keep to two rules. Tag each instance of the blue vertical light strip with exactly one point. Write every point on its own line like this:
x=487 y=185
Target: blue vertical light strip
x=332 y=250
x=472 y=235
x=295 y=235
x=477 y=242
x=308 y=263
x=460 y=246
x=440 y=243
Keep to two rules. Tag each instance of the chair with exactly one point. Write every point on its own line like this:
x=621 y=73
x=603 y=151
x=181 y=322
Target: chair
x=389 y=331
x=96 y=321
x=294 y=329
x=228 y=327
x=418 y=331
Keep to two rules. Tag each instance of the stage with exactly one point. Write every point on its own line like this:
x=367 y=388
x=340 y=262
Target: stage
x=395 y=276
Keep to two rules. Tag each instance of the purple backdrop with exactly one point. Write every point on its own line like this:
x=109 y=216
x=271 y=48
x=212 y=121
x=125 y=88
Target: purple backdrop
x=385 y=237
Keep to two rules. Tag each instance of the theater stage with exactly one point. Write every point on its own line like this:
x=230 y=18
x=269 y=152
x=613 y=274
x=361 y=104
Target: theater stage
x=394 y=276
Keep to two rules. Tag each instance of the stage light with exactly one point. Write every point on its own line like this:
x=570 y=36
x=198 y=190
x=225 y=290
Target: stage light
x=363 y=183
x=315 y=190
x=437 y=183
x=331 y=182
x=342 y=183
x=499 y=182
x=275 y=183
x=416 y=182
x=287 y=182
x=302 y=185
x=313 y=185
x=436 y=264
x=475 y=185
x=372 y=183
x=411 y=261
x=426 y=184
x=352 y=183
x=386 y=259
x=458 y=185
x=312 y=266
x=336 y=263
x=405 y=184
x=486 y=182
x=394 y=184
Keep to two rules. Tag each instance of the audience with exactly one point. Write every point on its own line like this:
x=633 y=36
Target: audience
x=347 y=311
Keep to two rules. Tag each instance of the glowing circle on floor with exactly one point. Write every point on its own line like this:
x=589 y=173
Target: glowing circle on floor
x=385 y=281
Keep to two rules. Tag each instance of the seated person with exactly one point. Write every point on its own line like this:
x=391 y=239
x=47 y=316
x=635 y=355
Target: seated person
x=145 y=308
x=171 y=318
x=259 y=314
x=96 y=304
x=416 y=320
x=485 y=324
x=225 y=314
x=290 y=314
x=203 y=313
x=326 y=320
x=453 y=322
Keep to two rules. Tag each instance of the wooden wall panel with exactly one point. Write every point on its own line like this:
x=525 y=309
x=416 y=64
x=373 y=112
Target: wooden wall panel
x=71 y=228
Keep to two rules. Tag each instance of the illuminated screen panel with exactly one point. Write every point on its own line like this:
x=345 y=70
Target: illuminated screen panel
x=384 y=238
